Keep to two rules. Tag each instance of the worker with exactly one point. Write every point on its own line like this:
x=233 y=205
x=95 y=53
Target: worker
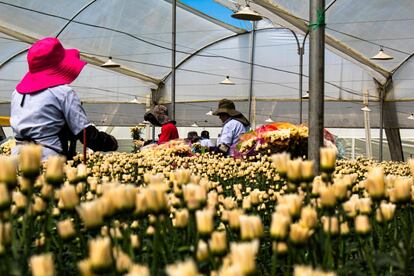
x=158 y=116
x=234 y=125
x=205 y=140
x=48 y=112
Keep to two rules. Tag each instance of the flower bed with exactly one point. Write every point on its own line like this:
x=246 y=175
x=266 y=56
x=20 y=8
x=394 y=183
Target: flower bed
x=158 y=212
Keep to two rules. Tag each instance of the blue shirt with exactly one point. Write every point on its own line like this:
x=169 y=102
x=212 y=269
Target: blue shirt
x=232 y=129
x=44 y=114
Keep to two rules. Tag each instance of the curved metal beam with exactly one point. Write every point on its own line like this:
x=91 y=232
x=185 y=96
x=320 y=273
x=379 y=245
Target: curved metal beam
x=88 y=58
x=74 y=16
x=13 y=56
x=402 y=63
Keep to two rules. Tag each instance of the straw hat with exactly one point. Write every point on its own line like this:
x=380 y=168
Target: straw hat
x=228 y=107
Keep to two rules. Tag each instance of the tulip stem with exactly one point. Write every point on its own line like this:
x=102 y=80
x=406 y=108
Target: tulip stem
x=274 y=263
x=27 y=237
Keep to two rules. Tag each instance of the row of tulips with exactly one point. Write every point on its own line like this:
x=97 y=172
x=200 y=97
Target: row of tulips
x=147 y=214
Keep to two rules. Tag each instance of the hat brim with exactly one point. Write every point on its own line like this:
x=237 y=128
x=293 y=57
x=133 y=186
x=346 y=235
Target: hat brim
x=64 y=73
x=231 y=112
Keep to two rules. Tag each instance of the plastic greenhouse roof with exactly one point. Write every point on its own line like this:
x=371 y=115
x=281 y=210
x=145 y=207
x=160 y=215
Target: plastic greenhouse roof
x=137 y=34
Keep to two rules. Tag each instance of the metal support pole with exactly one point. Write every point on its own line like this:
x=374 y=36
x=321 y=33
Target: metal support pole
x=173 y=55
x=252 y=43
x=367 y=125
x=381 y=121
x=316 y=80
x=301 y=51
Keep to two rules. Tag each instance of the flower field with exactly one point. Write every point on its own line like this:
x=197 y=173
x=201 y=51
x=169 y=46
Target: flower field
x=160 y=212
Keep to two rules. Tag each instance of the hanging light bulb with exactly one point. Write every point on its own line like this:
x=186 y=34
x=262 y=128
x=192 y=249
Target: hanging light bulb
x=210 y=113
x=269 y=120
x=411 y=117
x=110 y=64
x=381 y=55
x=366 y=108
x=247 y=14
x=194 y=125
x=227 y=81
x=306 y=96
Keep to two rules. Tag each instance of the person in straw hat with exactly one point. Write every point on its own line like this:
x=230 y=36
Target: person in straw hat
x=234 y=125
x=45 y=110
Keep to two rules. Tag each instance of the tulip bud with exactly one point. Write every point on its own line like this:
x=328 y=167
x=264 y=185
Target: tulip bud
x=69 y=197
x=330 y=225
x=19 y=200
x=340 y=189
x=122 y=261
x=307 y=170
x=234 y=218
x=350 y=207
x=29 y=160
x=39 y=205
x=202 y=251
x=4 y=197
x=187 y=268
x=71 y=174
x=135 y=243
x=82 y=172
x=138 y=270
x=85 y=268
x=327 y=197
x=8 y=171
x=100 y=254
x=141 y=205
x=309 y=217
x=402 y=189
x=42 y=265
x=244 y=255
x=156 y=198
x=299 y=234
x=55 y=170
x=181 y=218
x=66 y=229
x=364 y=205
x=362 y=225
x=344 y=228
x=204 y=219
x=218 y=243
x=280 y=162
x=385 y=212
x=251 y=227
x=375 y=184
x=280 y=247
x=327 y=159
x=279 y=226
x=91 y=214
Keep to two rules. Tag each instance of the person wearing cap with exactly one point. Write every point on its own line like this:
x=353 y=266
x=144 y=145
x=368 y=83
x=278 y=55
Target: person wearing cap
x=234 y=125
x=48 y=112
x=158 y=116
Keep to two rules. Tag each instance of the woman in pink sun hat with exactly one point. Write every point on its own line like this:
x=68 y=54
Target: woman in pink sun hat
x=45 y=110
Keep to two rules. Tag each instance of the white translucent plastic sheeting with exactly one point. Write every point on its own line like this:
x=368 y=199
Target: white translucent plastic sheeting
x=199 y=77
x=34 y=23
x=94 y=84
x=9 y=47
x=276 y=71
x=381 y=22
x=403 y=83
x=147 y=20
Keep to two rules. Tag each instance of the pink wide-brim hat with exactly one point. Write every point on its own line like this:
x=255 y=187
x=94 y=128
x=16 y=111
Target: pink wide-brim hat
x=50 y=65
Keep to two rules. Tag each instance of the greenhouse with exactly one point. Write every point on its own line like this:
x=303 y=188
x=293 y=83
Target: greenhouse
x=206 y=137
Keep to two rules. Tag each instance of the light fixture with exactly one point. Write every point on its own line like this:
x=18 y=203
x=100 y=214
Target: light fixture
x=366 y=108
x=247 y=14
x=381 y=55
x=306 y=96
x=269 y=120
x=135 y=100
x=210 y=113
x=110 y=64
x=411 y=117
x=194 y=125
x=227 y=81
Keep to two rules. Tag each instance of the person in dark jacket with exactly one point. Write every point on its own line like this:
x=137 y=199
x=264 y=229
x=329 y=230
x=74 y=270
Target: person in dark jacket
x=48 y=112
x=158 y=116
